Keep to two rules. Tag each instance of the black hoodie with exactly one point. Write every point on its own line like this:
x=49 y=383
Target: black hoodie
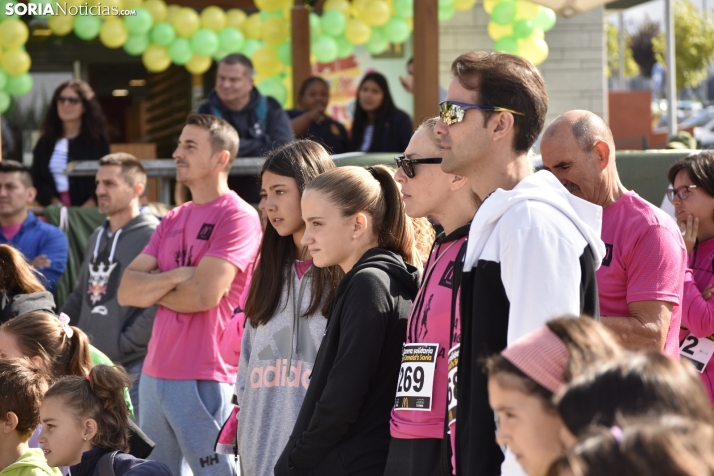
x=124 y=464
x=343 y=425
x=18 y=304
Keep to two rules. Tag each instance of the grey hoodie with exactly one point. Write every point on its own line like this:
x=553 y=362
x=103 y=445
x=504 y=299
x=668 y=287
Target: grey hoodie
x=122 y=333
x=19 y=304
x=269 y=396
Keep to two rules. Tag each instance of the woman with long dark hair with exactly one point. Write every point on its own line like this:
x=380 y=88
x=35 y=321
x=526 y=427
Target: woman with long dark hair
x=285 y=314
x=378 y=125
x=20 y=289
x=74 y=129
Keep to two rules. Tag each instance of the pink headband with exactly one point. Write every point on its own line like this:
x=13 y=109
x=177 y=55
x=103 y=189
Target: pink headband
x=541 y=355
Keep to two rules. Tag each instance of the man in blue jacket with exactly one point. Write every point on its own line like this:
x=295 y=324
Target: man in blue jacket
x=44 y=246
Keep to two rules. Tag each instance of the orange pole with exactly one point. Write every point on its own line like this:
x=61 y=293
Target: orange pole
x=300 y=45
x=426 y=60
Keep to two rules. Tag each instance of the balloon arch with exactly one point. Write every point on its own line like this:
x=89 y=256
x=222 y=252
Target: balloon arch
x=164 y=34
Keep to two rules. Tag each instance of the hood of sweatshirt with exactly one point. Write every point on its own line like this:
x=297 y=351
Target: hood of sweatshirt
x=137 y=223
x=31 y=462
x=545 y=187
x=13 y=306
x=389 y=262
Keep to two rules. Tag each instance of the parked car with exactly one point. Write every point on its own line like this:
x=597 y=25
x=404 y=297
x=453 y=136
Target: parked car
x=699 y=119
x=705 y=134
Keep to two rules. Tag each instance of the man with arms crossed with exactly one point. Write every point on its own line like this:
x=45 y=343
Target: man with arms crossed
x=532 y=249
x=195 y=267
x=640 y=281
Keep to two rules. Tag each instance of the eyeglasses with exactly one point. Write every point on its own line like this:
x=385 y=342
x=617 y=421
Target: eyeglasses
x=682 y=192
x=452 y=112
x=70 y=99
x=407 y=165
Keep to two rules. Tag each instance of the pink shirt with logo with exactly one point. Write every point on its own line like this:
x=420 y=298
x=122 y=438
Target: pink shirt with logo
x=430 y=323
x=645 y=261
x=185 y=346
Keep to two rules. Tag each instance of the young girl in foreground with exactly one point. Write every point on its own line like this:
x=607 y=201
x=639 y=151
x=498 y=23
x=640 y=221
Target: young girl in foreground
x=354 y=219
x=85 y=424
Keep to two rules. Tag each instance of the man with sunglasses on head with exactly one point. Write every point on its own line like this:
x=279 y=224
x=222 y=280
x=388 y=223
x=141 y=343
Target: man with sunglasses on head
x=532 y=249
x=640 y=281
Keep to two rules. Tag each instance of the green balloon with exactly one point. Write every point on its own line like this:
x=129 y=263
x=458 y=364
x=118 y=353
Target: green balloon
x=333 y=22
x=19 y=85
x=446 y=13
x=250 y=46
x=163 y=34
x=230 y=39
x=277 y=13
x=314 y=26
x=3 y=79
x=204 y=42
x=3 y=16
x=377 y=43
x=4 y=102
x=87 y=27
x=545 y=20
x=135 y=45
x=325 y=49
x=274 y=87
x=220 y=54
x=344 y=47
x=446 y=3
x=140 y=23
x=285 y=53
x=180 y=51
x=404 y=8
x=504 y=12
x=397 y=30
x=522 y=29
x=507 y=44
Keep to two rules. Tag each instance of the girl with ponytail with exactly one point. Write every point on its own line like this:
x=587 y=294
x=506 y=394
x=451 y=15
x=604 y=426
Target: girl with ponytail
x=355 y=220
x=85 y=426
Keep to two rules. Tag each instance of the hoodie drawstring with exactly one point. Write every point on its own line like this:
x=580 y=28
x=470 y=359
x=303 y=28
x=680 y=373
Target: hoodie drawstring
x=295 y=327
x=114 y=245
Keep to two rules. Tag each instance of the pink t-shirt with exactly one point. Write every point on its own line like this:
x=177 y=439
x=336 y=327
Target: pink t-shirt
x=645 y=260
x=185 y=346
x=10 y=231
x=430 y=323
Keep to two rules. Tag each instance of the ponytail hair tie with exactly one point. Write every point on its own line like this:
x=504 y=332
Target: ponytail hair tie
x=373 y=171
x=88 y=378
x=64 y=320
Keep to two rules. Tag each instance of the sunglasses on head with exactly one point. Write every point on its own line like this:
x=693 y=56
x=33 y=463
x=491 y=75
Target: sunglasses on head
x=452 y=112
x=69 y=99
x=407 y=165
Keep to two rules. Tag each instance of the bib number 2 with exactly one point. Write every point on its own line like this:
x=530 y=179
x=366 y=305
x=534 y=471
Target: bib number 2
x=697 y=350
x=416 y=377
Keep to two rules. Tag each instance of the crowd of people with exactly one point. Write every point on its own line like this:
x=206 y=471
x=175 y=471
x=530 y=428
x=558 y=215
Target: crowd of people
x=332 y=332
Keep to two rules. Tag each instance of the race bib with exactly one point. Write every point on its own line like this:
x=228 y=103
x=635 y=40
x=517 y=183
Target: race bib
x=452 y=391
x=416 y=377
x=697 y=350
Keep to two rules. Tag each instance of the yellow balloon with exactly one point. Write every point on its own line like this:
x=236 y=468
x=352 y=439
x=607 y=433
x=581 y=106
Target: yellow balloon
x=13 y=33
x=377 y=13
x=464 y=5
x=185 y=22
x=118 y=6
x=357 y=32
x=275 y=31
x=534 y=50
x=266 y=61
x=16 y=62
x=171 y=12
x=60 y=25
x=339 y=5
x=489 y=4
x=213 y=18
x=156 y=58
x=235 y=17
x=526 y=10
x=113 y=33
x=496 y=31
x=268 y=5
x=198 y=64
x=253 y=26
x=129 y=4
x=158 y=9
x=359 y=8
x=538 y=33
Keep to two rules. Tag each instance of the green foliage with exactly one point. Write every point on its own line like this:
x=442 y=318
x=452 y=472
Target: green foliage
x=613 y=52
x=694 y=44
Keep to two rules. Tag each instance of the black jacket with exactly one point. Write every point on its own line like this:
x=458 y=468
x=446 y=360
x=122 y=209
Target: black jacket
x=19 y=304
x=80 y=188
x=124 y=464
x=394 y=136
x=343 y=425
x=258 y=135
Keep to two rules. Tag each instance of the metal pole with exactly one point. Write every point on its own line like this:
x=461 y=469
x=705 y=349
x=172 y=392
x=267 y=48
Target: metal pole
x=621 y=66
x=671 y=69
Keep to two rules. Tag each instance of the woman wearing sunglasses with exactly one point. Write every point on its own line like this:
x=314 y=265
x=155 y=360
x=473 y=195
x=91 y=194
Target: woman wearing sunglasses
x=74 y=129
x=378 y=125
x=692 y=195
x=420 y=406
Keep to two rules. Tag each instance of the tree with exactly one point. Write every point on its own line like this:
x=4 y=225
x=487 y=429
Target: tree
x=612 y=33
x=694 y=44
x=641 y=44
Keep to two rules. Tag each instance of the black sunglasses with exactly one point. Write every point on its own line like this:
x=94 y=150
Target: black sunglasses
x=407 y=165
x=69 y=99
